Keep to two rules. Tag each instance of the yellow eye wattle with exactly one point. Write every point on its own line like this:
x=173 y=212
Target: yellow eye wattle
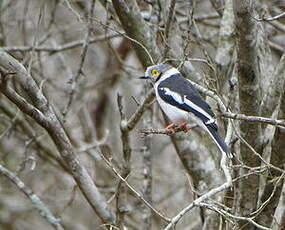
x=155 y=73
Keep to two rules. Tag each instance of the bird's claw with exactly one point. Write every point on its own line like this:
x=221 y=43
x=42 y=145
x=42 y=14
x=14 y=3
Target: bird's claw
x=184 y=127
x=174 y=128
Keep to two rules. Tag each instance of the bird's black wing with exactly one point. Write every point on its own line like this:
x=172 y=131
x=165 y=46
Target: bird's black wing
x=179 y=92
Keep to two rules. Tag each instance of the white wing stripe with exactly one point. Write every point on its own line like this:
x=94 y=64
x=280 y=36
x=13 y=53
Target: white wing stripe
x=199 y=109
x=176 y=96
x=211 y=121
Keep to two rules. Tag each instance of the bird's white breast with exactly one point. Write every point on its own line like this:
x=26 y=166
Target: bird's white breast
x=175 y=114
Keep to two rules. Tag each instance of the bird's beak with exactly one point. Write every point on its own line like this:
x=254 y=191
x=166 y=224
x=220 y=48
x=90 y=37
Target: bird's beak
x=143 y=77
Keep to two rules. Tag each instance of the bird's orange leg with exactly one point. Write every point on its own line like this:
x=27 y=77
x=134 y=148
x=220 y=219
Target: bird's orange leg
x=172 y=127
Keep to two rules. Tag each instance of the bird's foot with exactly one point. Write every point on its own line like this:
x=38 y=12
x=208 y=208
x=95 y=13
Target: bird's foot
x=172 y=128
x=184 y=127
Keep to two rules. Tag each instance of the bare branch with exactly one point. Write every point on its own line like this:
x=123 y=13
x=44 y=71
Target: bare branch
x=243 y=117
x=79 y=72
x=147 y=184
x=43 y=210
x=23 y=104
x=277 y=25
x=229 y=215
x=134 y=119
x=218 y=5
x=168 y=132
x=49 y=120
x=136 y=28
x=276 y=46
x=279 y=16
x=64 y=47
x=124 y=180
x=206 y=196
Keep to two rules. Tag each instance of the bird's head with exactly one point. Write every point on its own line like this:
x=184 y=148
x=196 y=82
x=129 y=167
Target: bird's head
x=155 y=72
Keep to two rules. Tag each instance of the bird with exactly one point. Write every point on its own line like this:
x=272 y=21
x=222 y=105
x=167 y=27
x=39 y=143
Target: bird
x=182 y=103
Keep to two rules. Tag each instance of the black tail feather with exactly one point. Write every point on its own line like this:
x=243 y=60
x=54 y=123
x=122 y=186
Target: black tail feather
x=219 y=140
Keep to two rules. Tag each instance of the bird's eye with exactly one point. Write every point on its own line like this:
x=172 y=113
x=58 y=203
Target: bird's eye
x=155 y=73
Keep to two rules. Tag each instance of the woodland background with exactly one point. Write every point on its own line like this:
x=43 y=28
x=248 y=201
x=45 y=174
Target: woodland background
x=81 y=143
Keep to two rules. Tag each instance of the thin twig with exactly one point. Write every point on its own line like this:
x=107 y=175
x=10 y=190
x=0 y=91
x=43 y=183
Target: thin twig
x=279 y=16
x=257 y=154
x=278 y=25
x=206 y=196
x=73 y=10
x=134 y=119
x=263 y=205
x=133 y=190
x=229 y=215
x=79 y=72
x=276 y=46
x=64 y=47
x=126 y=36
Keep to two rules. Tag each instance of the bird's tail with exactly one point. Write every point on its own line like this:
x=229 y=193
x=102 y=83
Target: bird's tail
x=218 y=140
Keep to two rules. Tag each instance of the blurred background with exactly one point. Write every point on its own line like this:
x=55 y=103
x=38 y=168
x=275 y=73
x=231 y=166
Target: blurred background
x=86 y=56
